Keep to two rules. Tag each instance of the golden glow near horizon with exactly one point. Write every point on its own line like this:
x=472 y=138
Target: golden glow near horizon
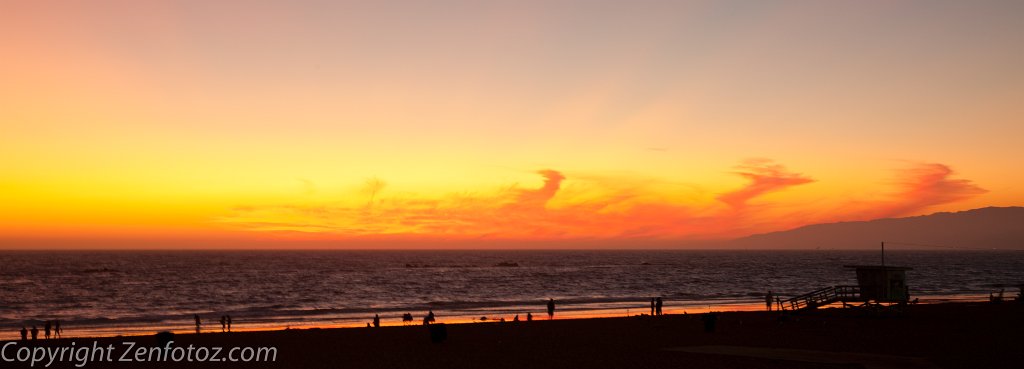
x=240 y=122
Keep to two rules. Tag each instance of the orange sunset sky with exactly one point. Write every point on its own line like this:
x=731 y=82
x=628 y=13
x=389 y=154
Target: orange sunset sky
x=428 y=123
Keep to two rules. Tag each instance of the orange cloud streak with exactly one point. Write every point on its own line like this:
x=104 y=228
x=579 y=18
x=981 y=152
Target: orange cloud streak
x=616 y=211
x=523 y=213
x=765 y=176
x=920 y=187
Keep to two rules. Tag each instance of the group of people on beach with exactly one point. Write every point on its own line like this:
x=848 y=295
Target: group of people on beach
x=998 y=298
x=225 y=323
x=770 y=299
x=431 y=318
x=54 y=328
x=48 y=328
x=656 y=304
x=406 y=318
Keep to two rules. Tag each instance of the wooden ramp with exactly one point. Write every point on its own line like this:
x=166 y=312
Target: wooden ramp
x=822 y=297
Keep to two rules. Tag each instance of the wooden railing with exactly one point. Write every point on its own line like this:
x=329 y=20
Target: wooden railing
x=822 y=297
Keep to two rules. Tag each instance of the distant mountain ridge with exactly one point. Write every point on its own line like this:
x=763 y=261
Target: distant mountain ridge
x=984 y=228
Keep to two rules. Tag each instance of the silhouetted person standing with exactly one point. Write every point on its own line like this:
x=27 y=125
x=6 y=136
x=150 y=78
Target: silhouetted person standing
x=516 y=319
x=551 y=308
x=57 y=330
x=652 y=306
x=35 y=333
x=223 y=323
x=198 y=323
x=376 y=320
x=46 y=329
x=769 y=299
x=529 y=317
x=657 y=306
x=24 y=333
x=229 y=323
x=430 y=315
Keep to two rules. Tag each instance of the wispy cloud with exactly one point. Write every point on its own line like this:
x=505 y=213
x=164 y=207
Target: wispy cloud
x=918 y=188
x=765 y=176
x=537 y=198
x=556 y=211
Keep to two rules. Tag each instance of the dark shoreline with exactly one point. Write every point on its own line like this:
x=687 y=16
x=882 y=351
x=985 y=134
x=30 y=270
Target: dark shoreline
x=952 y=335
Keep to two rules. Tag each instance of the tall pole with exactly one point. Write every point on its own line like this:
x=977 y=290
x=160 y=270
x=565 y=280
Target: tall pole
x=883 y=254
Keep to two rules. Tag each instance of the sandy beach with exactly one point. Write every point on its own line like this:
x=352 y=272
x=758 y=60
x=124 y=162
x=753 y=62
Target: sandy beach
x=952 y=335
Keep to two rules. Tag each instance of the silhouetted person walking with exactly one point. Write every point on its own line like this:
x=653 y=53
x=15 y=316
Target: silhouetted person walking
x=24 y=333
x=551 y=308
x=57 y=330
x=198 y=323
x=46 y=329
x=657 y=306
x=376 y=320
x=769 y=299
x=223 y=323
x=35 y=333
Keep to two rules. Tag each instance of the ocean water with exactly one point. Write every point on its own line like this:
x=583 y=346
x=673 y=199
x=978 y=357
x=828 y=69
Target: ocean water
x=136 y=292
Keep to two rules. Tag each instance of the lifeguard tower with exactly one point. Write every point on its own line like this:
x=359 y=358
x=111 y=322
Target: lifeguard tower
x=876 y=285
x=881 y=284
